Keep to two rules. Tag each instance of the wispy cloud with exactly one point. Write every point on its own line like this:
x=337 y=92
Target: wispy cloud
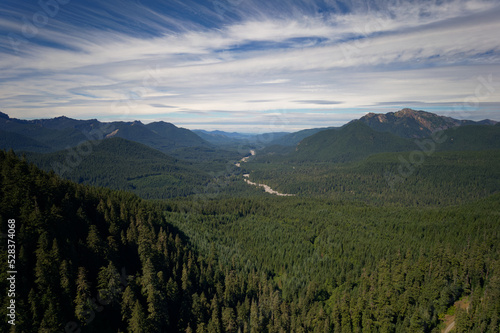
x=97 y=60
x=318 y=102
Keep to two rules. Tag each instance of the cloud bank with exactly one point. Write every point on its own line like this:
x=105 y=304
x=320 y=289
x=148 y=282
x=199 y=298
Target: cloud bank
x=249 y=64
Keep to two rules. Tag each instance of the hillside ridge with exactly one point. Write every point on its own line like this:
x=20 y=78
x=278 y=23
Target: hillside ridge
x=53 y=134
x=409 y=123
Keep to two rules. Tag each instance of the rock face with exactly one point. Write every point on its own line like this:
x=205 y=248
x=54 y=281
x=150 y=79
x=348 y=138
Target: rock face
x=409 y=123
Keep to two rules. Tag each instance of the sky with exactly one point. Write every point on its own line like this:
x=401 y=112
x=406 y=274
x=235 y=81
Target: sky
x=248 y=65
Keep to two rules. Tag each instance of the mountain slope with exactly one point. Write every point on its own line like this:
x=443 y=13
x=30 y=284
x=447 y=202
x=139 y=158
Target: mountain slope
x=63 y=132
x=292 y=139
x=19 y=142
x=471 y=137
x=95 y=260
x=222 y=138
x=124 y=165
x=47 y=135
x=175 y=137
x=351 y=142
x=408 y=123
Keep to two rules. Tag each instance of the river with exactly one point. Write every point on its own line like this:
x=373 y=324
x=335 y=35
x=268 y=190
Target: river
x=266 y=187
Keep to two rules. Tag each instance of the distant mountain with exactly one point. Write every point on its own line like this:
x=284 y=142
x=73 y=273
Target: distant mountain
x=163 y=136
x=292 y=139
x=44 y=135
x=123 y=165
x=62 y=132
x=353 y=141
x=356 y=141
x=173 y=137
x=396 y=132
x=222 y=137
x=408 y=123
x=231 y=138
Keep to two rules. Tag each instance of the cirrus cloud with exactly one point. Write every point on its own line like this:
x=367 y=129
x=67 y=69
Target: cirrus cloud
x=186 y=62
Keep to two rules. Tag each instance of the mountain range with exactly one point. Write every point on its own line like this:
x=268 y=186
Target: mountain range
x=49 y=135
x=161 y=160
x=408 y=123
x=233 y=138
x=404 y=130
x=357 y=140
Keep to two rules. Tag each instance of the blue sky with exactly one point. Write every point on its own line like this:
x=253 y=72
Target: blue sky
x=248 y=65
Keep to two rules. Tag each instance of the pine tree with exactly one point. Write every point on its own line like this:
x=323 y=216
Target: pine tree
x=254 y=318
x=83 y=307
x=127 y=303
x=229 y=320
x=94 y=241
x=137 y=322
x=214 y=325
x=109 y=285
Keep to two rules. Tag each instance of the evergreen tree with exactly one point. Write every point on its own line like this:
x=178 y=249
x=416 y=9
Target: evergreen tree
x=83 y=305
x=137 y=322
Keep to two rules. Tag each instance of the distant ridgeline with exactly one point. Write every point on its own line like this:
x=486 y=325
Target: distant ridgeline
x=405 y=130
x=49 y=135
x=395 y=157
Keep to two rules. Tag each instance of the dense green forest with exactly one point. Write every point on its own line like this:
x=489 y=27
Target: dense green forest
x=100 y=260
x=365 y=268
x=121 y=164
x=125 y=165
x=405 y=178
x=353 y=141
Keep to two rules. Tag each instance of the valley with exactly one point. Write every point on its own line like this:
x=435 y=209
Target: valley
x=246 y=177
x=250 y=166
x=384 y=224
x=267 y=189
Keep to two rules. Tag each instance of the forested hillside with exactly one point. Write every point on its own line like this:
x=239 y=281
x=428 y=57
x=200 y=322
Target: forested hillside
x=408 y=123
x=355 y=162
x=351 y=267
x=356 y=141
x=108 y=261
x=49 y=135
x=124 y=165
x=120 y=164
x=98 y=260
x=353 y=141
x=440 y=178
